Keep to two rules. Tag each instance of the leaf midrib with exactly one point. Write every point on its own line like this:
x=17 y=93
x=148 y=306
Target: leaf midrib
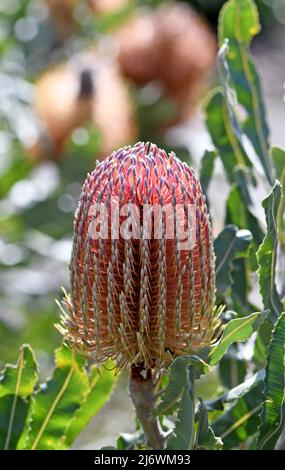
x=14 y=404
x=231 y=333
x=52 y=408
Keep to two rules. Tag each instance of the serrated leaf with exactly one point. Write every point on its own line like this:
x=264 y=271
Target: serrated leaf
x=205 y=436
x=207 y=169
x=20 y=379
x=267 y=254
x=241 y=288
x=235 y=393
x=240 y=421
x=278 y=158
x=271 y=418
x=240 y=214
x=262 y=340
x=183 y=436
x=55 y=403
x=17 y=383
x=222 y=135
x=101 y=386
x=239 y=23
x=233 y=125
x=177 y=381
x=236 y=330
x=230 y=244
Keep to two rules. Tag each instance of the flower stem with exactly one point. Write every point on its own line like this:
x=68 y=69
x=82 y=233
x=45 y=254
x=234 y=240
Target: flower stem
x=142 y=393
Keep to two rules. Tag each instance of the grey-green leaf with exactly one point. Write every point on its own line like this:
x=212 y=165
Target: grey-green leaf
x=271 y=418
x=230 y=244
x=240 y=421
x=239 y=23
x=222 y=135
x=235 y=393
x=267 y=254
x=183 y=436
x=177 y=380
x=207 y=169
x=278 y=158
x=205 y=436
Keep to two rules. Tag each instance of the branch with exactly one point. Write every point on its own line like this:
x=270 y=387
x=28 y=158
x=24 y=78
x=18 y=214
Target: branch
x=141 y=389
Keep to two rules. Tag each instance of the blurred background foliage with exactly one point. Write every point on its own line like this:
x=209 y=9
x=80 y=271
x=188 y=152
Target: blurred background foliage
x=78 y=79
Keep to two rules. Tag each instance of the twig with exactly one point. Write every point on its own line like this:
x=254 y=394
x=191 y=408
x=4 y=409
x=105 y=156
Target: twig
x=141 y=389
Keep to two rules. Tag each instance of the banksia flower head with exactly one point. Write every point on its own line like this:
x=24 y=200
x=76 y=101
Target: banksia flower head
x=142 y=266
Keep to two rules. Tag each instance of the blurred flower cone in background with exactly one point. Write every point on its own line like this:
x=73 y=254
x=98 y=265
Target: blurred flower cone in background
x=113 y=111
x=63 y=101
x=141 y=299
x=83 y=91
x=62 y=15
x=171 y=45
x=109 y=6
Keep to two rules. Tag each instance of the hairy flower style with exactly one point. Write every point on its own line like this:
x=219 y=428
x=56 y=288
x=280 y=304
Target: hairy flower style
x=141 y=300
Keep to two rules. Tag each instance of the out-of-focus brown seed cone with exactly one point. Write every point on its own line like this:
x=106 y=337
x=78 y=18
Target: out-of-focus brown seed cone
x=171 y=44
x=113 y=110
x=88 y=90
x=141 y=299
x=109 y=6
x=63 y=101
x=62 y=15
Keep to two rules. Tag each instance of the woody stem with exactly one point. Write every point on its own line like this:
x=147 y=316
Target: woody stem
x=142 y=394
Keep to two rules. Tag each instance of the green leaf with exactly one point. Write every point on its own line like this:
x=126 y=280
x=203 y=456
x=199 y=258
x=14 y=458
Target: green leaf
x=262 y=340
x=267 y=254
x=230 y=244
x=240 y=421
x=239 y=212
x=239 y=19
x=205 y=438
x=175 y=386
x=16 y=386
x=238 y=329
x=278 y=158
x=235 y=393
x=232 y=120
x=13 y=414
x=232 y=368
x=241 y=288
x=20 y=379
x=207 y=169
x=55 y=403
x=177 y=380
x=101 y=386
x=183 y=436
x=271 y=418
x=239 y=23
x=222 y=135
